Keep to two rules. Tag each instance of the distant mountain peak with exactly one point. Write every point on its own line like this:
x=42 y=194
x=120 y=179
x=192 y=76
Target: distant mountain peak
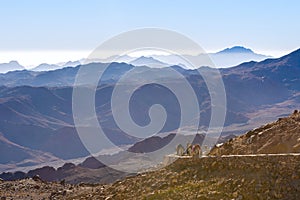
x=236 y=49
x=11 y=66
x=148 y=61
x=46 y=67
x=236 y=55
x=14 y=62
x=144 y=58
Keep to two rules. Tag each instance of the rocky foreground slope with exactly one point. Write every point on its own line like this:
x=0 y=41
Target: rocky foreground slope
x=261 y=177
x=281 y=136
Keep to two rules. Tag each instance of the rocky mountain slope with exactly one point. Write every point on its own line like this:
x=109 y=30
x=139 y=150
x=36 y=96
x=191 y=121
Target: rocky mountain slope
x=272 y=177
x=25 y=155
x=281 y=136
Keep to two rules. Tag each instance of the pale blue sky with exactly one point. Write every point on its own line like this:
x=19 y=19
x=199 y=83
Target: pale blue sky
x=269 y=26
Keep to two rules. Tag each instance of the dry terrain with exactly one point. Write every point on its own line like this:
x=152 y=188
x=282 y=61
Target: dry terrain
x=281 y=136
x=261 y=164
x=248 y=177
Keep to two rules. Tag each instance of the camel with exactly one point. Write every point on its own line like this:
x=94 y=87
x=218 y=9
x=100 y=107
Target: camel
x=196 y=151
x=191 y=150
x=180 y=150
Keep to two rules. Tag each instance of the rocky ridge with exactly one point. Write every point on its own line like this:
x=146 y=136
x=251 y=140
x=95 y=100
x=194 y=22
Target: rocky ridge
x=281 y=136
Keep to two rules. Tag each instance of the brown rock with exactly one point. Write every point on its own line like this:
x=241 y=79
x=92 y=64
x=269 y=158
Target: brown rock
x=36 y=178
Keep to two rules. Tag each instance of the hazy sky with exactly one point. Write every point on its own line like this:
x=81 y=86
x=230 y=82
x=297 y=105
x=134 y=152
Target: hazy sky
x=58 y=30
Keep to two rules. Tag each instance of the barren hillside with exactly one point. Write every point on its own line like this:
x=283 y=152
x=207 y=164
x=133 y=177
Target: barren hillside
x=281 y=136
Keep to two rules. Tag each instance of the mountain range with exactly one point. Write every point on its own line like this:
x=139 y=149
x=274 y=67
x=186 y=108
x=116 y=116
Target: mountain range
x=36 y=121
x=225 y=58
